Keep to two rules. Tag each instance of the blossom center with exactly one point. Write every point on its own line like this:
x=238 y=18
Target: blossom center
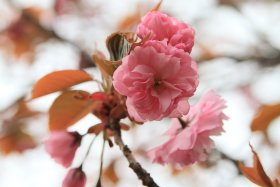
x=157 y=83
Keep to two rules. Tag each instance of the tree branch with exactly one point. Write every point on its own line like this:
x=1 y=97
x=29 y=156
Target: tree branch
x=235 y=162
x=141 y=173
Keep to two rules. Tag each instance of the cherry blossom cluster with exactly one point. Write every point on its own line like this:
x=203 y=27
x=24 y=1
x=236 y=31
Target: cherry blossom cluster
x=156 y=80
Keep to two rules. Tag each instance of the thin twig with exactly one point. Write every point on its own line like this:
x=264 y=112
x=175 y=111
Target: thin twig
x=141 y=173
x=101 y=163
x=89 y=147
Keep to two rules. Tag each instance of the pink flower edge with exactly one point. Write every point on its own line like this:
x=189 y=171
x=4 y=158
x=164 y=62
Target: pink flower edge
x=62 y=146
x=191 y=144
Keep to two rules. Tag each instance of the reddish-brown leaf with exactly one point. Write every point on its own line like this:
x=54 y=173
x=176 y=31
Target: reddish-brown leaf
x=110 y=173
x=118 y=112
x=96 y=129
x=12 y=136
x=59 y=80
x=157 y=7
x=256 y=173
x=69 y=108
x=16 y=141
x=130 y=21
x=23 y=111
x=124 y=126
x=107 y=68
x=265 y=115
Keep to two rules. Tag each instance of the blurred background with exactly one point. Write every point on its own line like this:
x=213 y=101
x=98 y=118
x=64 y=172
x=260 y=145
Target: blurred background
x=237 y=47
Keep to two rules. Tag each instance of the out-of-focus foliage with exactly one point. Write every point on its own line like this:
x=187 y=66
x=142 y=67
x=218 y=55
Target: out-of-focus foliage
x=264 y=116
x=23 y=34
x=13 y=137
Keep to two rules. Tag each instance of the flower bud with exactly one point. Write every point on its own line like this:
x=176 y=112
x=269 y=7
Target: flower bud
x=62 y=146
x=74 y=178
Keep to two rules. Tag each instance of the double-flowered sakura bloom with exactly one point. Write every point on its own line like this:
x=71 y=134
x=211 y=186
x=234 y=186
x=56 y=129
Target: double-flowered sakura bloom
x=159 y=26
x=62 y=146
x=159 y=76
x=157 y=79
x=192 y=143
x=74 y=178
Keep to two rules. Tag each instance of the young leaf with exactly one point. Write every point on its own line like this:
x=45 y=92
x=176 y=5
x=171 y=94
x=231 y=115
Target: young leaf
x=106 y=67
x=265 y=115
x=130 y=21
x=96 y=129
x=256 y=174
x=59 y=80
x=157 y=7
x=124 y=126
x=119 y=44
x=69 y=108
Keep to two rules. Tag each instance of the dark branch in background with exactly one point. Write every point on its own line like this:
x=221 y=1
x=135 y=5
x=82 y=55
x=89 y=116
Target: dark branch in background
x=264 y=61
x=50 y=32
x=141 y=173
x=271 y=58
x=235 y=162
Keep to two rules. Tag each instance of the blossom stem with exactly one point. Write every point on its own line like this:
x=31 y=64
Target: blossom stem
x=141 y=173
x=89 y=147
x=101 y=163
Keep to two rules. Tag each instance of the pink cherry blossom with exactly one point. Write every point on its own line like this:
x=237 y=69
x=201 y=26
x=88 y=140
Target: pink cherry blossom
x=62 y=146
x=74 y=178
x=159 y=26
x=157 y=79
x=192 y=143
